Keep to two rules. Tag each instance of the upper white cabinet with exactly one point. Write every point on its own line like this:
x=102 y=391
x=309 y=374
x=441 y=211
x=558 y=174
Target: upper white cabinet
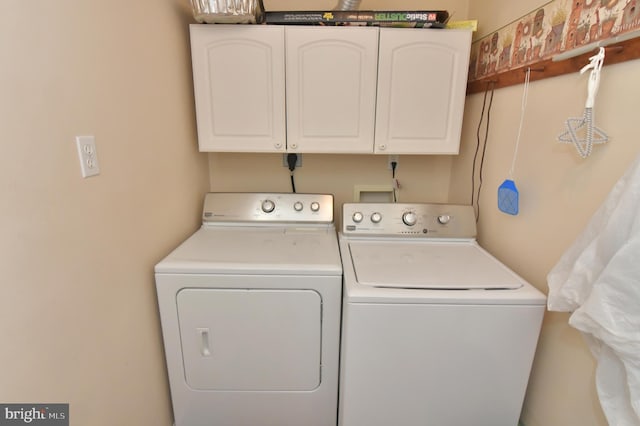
x=331 y=88
x=347 y=89
x=238 y=79
x=422 y=81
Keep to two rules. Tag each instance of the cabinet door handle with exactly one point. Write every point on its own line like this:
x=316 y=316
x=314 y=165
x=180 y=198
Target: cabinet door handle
x=382 y=147
x=203 y=334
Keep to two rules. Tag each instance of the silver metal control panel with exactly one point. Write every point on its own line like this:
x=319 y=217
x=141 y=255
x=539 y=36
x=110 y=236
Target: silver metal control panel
x=267 y=207
x=426 y=220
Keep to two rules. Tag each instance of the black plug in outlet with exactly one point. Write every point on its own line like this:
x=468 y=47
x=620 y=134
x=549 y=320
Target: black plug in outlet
x=292 y=159
x=285 y=160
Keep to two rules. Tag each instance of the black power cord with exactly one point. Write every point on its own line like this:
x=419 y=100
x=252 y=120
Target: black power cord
x=489 y=90
x=292 y=159
x=394 y=164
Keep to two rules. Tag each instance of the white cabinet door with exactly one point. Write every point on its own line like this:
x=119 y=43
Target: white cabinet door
x=238 y=73
x=331 y=88
x=422 y=77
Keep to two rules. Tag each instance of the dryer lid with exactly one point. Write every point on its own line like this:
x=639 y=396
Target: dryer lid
x=287 y=250
x=429 y=265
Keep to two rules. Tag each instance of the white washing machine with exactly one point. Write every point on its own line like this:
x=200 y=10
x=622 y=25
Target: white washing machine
x=435 y=331
x=250 y=311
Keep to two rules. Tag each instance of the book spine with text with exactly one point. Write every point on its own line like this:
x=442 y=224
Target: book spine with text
x=358 y=17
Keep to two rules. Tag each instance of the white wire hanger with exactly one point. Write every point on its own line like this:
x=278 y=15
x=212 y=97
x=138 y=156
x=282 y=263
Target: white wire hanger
x=581 y=131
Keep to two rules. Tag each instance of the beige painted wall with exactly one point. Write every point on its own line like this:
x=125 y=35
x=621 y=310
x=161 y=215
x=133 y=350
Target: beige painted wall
x=559 y=192
x=78 y=316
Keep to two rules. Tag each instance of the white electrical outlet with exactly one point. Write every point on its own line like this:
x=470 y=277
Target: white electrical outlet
x=88 y=155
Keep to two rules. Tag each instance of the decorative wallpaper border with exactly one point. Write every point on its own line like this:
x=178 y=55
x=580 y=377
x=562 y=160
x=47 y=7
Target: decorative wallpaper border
x=558 y=26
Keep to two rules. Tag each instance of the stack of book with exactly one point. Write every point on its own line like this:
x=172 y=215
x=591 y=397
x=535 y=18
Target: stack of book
x=399 y=18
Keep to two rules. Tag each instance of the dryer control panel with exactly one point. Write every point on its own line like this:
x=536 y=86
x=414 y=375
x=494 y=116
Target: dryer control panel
x=426 y=220
x=242 y=207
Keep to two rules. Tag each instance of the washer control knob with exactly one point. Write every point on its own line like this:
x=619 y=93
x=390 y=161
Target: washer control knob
x=268 y=206
x=376 y=217
x=409 y=218
x=443 y=219
x=357 y=217
x=297 y=206
x=315 y=206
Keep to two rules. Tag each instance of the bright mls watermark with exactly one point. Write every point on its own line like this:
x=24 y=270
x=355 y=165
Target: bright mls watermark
x=34 y=414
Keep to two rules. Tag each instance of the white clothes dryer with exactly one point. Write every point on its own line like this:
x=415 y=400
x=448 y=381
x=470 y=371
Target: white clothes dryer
x=250 y=312
x=435 y=330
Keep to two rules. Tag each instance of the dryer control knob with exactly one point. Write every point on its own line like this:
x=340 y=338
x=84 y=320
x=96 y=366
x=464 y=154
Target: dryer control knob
x=315 y=206
x=357 y=217
x=376 y=217
x=297 y=206
x=409 y=218
x=443 y=219
x=268 y=206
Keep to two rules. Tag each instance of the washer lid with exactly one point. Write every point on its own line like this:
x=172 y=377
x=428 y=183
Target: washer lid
x=455 y=265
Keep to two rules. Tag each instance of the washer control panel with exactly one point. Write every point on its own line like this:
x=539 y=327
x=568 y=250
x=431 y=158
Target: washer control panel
x=427 y=220
x=267 y=207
